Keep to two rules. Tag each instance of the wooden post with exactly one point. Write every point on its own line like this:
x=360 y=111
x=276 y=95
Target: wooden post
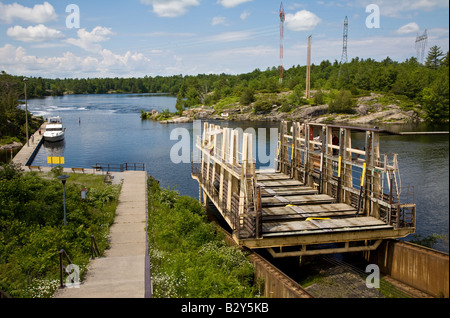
x=348 y=180
x=244 y=169
x=308 y=70
x=225 y=144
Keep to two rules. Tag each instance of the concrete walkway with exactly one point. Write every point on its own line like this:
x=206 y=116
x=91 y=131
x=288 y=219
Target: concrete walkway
x=24 y=155
x=124 y=271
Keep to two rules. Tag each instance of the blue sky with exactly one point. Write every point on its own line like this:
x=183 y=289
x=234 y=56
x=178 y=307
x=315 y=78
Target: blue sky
x=136 y=38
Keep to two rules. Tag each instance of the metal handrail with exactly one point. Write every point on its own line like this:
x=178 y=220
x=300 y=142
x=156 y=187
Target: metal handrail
x=62 y=253
x=94 y=248
x=121 y=167
x=4 y=294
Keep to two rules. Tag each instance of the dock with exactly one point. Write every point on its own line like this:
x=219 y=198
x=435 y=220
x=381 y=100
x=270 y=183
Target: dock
x=26 y=155
x=324 y=196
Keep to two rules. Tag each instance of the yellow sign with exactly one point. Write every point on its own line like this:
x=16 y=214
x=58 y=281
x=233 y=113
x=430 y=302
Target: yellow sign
x=55 y=160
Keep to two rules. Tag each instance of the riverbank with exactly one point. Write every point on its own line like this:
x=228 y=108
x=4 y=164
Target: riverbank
x=373 y=109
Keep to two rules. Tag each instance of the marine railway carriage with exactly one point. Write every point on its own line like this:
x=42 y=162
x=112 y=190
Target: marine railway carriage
x=325 y=195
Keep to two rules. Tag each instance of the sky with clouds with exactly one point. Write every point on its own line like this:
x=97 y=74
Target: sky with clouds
x=135 y=38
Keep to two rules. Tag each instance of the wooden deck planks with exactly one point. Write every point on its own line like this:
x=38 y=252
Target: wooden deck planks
x=272 y=176
x=296 y=190
x=296 y=199
x=306 y=211
x=279 y=183
x=303 y=227
x=287 y=203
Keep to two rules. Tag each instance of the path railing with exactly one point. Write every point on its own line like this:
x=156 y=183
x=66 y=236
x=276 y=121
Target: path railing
x=62 y=268
x=113 y=167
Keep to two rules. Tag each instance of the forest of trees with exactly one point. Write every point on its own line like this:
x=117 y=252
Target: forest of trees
x=425 y=84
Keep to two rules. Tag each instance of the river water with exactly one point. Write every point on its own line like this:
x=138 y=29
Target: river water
x=108 y=129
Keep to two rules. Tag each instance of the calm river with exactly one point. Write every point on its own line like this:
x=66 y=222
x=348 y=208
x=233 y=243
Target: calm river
x=108 y=129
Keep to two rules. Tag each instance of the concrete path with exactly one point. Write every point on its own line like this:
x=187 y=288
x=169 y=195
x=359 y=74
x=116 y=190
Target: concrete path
x=24 y=155
x=124 y=271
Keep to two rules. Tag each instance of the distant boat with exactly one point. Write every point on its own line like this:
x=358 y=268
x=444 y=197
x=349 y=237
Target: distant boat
x=54 y=130
x=224 y=115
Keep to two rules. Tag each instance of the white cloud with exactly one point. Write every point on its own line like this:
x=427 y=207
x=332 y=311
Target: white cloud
x=230 y=36
x=397 y=8
x=40 y=13
x=219 y=20
x=408 y=28
x=128 y=61
x=38 y=33
x=171 y=8
x=232 y=3
x=88 y=40
x=302 y=21
x=15 y=60
x=245 y=15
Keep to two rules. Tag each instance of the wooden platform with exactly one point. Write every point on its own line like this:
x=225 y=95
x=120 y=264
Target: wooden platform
x=294 y=212
x=290 y=208
x=315 y=226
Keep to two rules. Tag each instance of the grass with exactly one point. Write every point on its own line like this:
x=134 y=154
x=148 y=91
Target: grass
x=189 y=257
x=227 y=103
x=32 y=232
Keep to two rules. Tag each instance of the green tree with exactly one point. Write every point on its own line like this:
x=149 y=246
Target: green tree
x=318 y=98
x=435 y=57
x=193 y=97
x=180 y=103
x=343 y=103
x=248 y=96
x=435 y=100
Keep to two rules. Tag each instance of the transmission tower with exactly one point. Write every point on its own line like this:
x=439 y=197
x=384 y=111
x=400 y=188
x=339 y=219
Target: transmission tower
x=421 y=45
x=344 y=58
x=282 y=19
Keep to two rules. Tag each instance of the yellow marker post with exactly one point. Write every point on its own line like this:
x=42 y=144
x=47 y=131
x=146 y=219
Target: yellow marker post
x=363 y=174
x=363 y=177
x=339 y=167
x=310 y=219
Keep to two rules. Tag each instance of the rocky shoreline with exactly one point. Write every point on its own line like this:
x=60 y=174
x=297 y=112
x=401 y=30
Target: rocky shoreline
x=13 y=145
x=367 y=111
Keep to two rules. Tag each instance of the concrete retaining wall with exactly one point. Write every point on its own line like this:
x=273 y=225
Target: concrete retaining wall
x=422 y=268
x=276 y=283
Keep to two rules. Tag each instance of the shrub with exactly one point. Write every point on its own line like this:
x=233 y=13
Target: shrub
x=263 y=106
x=343 y=103
x=247 y=97
x=189 y=257
x=31 y=230
x=319 y=98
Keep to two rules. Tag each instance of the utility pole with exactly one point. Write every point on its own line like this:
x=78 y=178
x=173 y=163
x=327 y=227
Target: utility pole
x=26 y=111
x=282 y=19
x=308 y=70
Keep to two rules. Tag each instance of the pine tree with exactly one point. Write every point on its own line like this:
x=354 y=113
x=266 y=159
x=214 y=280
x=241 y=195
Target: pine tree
x=435 y=58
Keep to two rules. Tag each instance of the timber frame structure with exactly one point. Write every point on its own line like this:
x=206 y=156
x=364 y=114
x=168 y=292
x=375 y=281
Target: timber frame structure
x=324 y=196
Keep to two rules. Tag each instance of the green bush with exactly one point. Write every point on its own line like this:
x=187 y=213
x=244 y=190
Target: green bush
x=32 y=231
x=343 y=103
x=247 y=97
x=189 y=257
x=263 y=106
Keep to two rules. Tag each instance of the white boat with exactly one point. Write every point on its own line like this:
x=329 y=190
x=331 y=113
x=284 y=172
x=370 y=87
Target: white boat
x=54 y=130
